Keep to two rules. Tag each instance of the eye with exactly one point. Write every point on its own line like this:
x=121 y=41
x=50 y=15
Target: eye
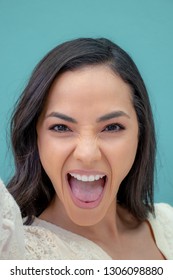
x=114 y=127
x=60 y=128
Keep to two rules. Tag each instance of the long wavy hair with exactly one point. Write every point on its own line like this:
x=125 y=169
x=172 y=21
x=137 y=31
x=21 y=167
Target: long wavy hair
x=30 y=185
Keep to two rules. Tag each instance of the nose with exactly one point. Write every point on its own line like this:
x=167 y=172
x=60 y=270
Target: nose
x=87 y=151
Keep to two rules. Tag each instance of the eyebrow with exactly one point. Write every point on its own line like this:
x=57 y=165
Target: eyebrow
x=62 y=117
x=112 y=115
x=115 y=114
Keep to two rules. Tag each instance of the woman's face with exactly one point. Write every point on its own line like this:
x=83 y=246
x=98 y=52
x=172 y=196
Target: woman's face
x=87 y=141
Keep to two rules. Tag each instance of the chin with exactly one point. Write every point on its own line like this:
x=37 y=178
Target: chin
x=86 y=217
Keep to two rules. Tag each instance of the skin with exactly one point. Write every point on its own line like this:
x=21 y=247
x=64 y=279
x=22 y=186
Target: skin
x=88 y=143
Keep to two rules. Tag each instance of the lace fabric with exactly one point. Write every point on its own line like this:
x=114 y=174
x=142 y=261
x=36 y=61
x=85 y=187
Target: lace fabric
x=11 y=228
x=42 y=243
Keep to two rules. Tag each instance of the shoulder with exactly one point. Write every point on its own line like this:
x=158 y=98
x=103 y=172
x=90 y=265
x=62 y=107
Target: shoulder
x=162 y=226
x=163 y=217
x=164 y=214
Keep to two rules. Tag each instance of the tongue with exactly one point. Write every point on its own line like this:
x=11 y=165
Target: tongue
x=86 y=191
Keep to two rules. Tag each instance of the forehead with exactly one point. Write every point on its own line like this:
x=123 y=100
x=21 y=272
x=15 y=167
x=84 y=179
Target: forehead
x=98 y=86
x=96 y=77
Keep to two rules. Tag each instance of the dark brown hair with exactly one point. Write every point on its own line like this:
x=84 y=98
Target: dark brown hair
x=30 y=185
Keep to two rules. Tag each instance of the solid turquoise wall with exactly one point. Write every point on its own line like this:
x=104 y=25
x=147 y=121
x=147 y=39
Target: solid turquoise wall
x=144 y=28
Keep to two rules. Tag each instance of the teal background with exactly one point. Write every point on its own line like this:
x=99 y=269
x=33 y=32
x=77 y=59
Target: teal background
x=144 y=28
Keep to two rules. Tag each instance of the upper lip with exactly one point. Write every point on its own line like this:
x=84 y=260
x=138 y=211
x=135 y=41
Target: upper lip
x=87 y=172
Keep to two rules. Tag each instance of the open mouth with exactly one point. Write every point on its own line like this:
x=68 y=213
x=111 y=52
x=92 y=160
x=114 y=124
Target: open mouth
x=86 y=190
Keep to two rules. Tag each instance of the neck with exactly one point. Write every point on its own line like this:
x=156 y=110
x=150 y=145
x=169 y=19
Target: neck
x=108 y=226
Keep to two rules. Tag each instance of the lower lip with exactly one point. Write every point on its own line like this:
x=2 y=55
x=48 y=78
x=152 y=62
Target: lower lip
x=87 y=205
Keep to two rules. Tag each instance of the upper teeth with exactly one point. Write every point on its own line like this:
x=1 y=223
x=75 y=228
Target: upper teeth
x=86 y=178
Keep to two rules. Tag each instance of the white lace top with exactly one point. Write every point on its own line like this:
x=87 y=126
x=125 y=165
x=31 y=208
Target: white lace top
x=43 y=240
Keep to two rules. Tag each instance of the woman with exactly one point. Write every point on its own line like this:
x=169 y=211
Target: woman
x=84 y=147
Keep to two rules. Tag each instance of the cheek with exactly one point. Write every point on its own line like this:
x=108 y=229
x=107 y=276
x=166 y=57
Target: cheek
x=121 y=158
x=53 y=154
